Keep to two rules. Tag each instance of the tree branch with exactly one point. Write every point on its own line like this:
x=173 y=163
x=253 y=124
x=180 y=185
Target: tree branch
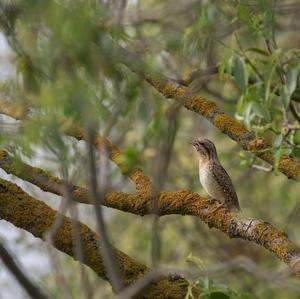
x=36 y=217
x=180 y=202
x=138 y=177
x=32 y=290
x=260 y=146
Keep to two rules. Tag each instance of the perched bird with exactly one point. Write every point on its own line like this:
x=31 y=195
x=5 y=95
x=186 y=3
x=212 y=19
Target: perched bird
x=213 y=177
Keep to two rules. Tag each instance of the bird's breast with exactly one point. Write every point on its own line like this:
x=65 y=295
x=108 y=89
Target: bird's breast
x=209 y=182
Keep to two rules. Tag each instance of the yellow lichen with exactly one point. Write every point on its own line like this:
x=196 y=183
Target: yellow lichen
x=229 y=126
x=290 y=167
x=36 y=217
x=199 y=104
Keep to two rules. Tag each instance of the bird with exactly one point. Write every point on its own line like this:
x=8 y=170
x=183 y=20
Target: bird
x=213 y=177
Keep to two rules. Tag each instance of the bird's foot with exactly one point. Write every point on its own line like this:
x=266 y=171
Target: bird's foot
x=220 y=206
x=211 y=200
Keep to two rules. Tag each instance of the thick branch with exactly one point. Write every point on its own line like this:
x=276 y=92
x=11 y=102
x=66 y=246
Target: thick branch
x=141 y=180
x=34 y=216
x=181 y=202
x=260 y=146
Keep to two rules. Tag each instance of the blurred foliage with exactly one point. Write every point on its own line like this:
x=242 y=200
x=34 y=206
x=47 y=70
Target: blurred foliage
x=66 y=67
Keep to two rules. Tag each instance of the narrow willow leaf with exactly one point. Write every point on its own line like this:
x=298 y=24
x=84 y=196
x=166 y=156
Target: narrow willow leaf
x=285 y=96
x=239 y=73
x=277 y=156
x=292 y=76
x=296 y=137
x=258 y=51
x=278 y=140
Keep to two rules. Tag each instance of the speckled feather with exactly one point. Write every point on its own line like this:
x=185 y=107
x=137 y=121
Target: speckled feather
x=213 y=177
x=223 y=179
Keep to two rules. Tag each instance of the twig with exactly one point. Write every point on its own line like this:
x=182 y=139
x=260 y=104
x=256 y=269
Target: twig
x=106 y=251
x=87 y=290
x=31 y=288
x=263 y=168
x=48 y=237
x=141 y=284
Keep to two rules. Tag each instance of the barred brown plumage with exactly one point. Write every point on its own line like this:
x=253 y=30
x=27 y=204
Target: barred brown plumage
x=213 y=177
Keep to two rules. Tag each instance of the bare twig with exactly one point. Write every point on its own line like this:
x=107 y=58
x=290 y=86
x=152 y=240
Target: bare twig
x=108 y=258
x=31 y=288
x=87 y=290
x=48 y=237
x=263 y=168
x=141 y=284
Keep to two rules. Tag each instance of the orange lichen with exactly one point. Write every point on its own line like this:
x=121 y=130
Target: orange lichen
x=258 y=144
x=36 y=217
x=199 y=104
x=12 y=110
x=229 y=126
x=289 y=167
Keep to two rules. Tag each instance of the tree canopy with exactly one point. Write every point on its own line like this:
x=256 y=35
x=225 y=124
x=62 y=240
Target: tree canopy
x=99 y=109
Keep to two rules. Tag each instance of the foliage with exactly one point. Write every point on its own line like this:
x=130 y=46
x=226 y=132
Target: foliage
x=68 y=72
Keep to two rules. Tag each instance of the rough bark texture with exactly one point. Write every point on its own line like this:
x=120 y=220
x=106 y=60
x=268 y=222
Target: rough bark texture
x=260 y=146
x=139 y=178
x=34 y=216
x=181 y=202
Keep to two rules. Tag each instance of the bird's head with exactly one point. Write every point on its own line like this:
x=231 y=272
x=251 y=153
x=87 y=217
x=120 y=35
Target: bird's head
x=205 y=148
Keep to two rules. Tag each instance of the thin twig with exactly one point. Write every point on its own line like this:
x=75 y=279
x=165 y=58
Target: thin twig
x=106 y=249
x=31 y=288
x=48 y=237
x=260 y=167
x=87 y=290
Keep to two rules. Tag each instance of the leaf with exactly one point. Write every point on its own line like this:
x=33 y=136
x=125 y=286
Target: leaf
x=296 y=137
x=262 y=111
x=277 y=156
x=292 y=76
x=278 y=140
x=248 y=115
x=296 y=153
x=197 y=261
x=257 y=50
x=285 y=96
x=239 y=73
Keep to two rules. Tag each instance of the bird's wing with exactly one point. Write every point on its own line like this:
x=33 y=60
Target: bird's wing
x=223 y=179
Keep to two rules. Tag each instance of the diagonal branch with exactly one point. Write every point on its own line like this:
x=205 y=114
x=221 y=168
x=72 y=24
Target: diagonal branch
x=141 y=180
x=34 y=216
x=260 y=146
x=181 y=202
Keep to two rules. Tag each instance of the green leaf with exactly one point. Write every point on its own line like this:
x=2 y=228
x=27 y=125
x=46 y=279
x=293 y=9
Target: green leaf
x=278 y=140
x=285 y=96
x=277 y=156
x=296 y=153
x=262 y=111
x=292 y=77
x=258 y=51
x=239 y=73
x=296 y=137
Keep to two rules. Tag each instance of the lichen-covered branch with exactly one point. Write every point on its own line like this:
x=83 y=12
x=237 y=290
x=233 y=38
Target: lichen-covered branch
x=260 y=146
x=141 y=180
x=34 y=216
x=186 y=202
x=181 y=202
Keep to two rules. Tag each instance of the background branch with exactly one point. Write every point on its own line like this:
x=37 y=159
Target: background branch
x=31 y=288
x=186 y=202
x=36 y=217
